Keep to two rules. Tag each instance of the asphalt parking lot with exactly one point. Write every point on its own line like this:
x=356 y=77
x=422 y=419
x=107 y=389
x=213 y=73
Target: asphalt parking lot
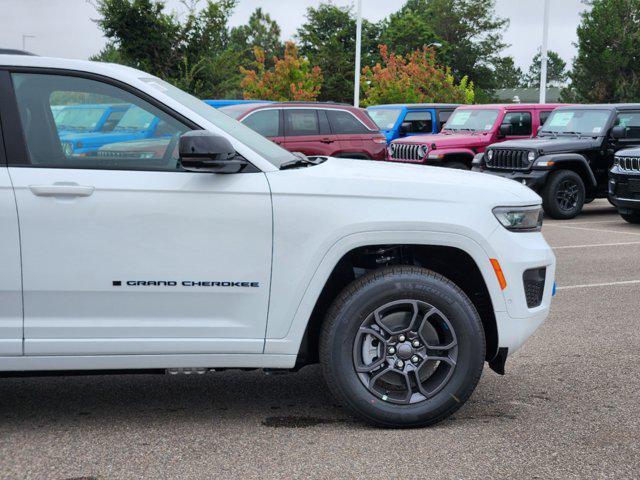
x=567 y=408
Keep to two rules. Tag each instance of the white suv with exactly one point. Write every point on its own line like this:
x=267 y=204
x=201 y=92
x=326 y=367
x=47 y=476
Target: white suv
x=183 y=240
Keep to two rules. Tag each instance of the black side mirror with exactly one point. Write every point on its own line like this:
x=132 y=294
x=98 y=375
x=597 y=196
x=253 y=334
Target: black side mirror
x=405 y=127
x=203 y=151
x=618 y=132
x=505 y=129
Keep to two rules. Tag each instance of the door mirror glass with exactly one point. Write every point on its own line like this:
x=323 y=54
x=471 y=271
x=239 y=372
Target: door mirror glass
x=202 y=151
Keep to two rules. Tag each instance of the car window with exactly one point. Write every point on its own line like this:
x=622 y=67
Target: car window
x=443 y=116
x=265 y=122
x=385 y=118
x=631 y=121
x=520 y=122
x=344 y=122
x=418 y=122
x=544 y=115
x=302 y=121
x=472 y=120
x=143 y=138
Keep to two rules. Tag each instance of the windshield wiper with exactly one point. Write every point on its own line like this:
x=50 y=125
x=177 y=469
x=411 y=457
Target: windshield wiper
x=302 y=161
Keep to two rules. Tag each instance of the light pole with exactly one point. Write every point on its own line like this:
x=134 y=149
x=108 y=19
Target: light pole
x=356 y=87
x=24 y=40
x=543 y=54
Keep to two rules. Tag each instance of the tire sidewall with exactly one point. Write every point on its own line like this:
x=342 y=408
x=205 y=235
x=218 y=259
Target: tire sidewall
x=464 y=320
x=549 y=201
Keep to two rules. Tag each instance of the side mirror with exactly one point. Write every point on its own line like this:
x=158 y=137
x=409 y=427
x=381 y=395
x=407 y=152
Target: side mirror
x=404 y=128
x=538 y=129
x=202 y=151
x=618 y=132
x=505 y=129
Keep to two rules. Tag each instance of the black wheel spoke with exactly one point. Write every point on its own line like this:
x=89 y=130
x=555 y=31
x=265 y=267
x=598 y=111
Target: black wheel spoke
x=405 y=351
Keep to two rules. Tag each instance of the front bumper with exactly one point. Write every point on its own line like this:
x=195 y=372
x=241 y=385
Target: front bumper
x=517 y=253
x=534 y=179
x=624 y=190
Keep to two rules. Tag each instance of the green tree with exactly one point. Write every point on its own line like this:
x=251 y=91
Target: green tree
x=556 y=70
x=327 y=39
x=507 y=74
x=468 y=31
x=291 y=78
x=607 y=66
x=260 y=31
x=415 y=78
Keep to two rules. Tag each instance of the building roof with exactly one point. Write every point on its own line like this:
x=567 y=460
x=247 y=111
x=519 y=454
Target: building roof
x=527 y=95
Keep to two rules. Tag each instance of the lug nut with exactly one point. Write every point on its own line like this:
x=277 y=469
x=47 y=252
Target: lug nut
x=399 y=364
x=415 y=344
x=391 y=350
x=401 y=338
x=415 y=359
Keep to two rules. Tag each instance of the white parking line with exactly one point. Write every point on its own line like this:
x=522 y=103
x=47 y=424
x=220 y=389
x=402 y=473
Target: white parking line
x=594 y=229
x=596 y=245
x=620 y=221
x=592 y=285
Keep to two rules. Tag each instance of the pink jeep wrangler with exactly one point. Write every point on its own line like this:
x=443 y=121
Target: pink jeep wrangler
x=470 y=130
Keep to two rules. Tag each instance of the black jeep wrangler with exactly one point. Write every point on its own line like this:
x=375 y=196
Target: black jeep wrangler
x=569 y=160
x=624 y=184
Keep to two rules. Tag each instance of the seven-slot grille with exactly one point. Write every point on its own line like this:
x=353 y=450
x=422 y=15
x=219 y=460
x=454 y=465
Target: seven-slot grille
x=508 y=159
x=407 y=151
x=629 y=163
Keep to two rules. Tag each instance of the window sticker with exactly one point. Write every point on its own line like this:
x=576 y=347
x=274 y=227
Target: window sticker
x=561 y=119
x=488 y=126
x=597 y=129
x=461 y=117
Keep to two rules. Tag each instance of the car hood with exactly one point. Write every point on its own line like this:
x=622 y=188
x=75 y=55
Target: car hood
x=442 y=140
x=341 y=177
x=545 y=145
x=99 y=138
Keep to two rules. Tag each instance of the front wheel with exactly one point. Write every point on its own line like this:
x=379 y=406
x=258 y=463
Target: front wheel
x=402 y=347
x=563 y=195
x=633 y=217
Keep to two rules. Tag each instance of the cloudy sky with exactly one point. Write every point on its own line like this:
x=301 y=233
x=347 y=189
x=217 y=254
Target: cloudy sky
x=64 y=28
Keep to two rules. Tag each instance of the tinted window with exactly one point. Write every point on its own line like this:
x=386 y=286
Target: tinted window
x=443 y=116
x=418 y=122
x=265 y=122
x=344 y=122
x=630 y=120
x=302 y=121
x=544 y=116
x=143 y=138
x=520 y=122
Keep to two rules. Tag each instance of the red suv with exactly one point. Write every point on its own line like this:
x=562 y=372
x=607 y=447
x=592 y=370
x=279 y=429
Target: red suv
x=312 y=128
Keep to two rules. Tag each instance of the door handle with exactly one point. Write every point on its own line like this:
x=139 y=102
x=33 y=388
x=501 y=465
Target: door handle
x=61 y=190
x=326 y=140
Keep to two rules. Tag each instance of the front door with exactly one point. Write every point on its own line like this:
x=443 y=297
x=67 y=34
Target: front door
x=308 y=132
x=123 y=252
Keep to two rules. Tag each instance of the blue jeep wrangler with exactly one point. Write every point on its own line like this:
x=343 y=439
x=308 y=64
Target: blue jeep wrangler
x=401 y=120
x=87 y=118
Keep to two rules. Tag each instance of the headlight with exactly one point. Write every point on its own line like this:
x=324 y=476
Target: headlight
x=391 y=149
x=520 y=219
x=422 y=150
x=616 y=161
x=531 y=157
x=490 y=154
x=67 y=149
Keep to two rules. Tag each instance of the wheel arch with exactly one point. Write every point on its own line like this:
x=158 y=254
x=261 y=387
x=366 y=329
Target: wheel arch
x=576 y=163
x=450 y=261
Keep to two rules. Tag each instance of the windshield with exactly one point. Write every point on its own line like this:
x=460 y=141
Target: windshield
x=385 y=118
x=80 y=119
x=236 y=111
x=136 y=119
x=579 y=121
x=476 y=120
x=256 y=142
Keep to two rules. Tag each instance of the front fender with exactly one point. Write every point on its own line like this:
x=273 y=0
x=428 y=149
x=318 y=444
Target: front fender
x=290 y=343
x=561 y=159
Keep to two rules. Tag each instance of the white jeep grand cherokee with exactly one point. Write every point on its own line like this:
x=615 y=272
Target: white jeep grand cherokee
x=173 y=237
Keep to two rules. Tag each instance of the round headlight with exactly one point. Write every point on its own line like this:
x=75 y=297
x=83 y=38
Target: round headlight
x=422 y=150
x=67 y=149
x=532 y=156
x=490 y=154
x=391 y=149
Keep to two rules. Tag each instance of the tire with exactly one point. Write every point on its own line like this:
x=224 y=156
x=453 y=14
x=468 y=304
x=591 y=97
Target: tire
x=457 y=165
x=563 y=195
x=633 y=217
x=401 y=293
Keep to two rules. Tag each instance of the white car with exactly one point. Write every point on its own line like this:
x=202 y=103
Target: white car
x=208 y=246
